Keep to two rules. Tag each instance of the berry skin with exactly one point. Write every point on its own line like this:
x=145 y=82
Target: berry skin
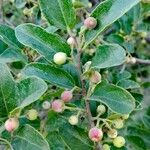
x=119 y=141
x=46 y=105
x=11 y=124
x=90 y=23
x=112 y=133
x=132 y=60
x=95 y=77
x=95 y=134
x=32 y=114
x=60 y=58
x=118 y=123
x=101 y=109
x=71 y=41
x=73 y=120
x=106 y=147
x=66 y=96
x=58 y=106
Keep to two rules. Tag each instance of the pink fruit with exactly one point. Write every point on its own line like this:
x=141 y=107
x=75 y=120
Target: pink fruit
x=66 y=96
x=58 y=106
x=90 y=23
x=95 y=134
x=11 y=124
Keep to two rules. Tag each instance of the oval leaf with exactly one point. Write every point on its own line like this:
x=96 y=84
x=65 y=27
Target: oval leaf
x=116 y=98
x=7 y=35
x=28 y=138
x=45 y=43
x=50 y=74
x=30 y=90
x=59 y=13
x=107 y=13
x=108 y=55
x=7 y=91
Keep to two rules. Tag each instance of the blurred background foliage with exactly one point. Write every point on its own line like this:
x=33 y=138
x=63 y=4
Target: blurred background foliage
x=132 y=31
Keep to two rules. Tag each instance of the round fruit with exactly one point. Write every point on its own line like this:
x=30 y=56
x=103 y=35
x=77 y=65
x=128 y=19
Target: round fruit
x=119 y=141
x=32 y=114
x=133 y=60
x=11 y=124
x=60 y=58
x=95 y=134
x=112 y=133
x=90 y=23
x=46 y=105
x=66 y=96
x=118 y=123
x=73 y=120
x=95 y=77
x=58 y=106
x=71 y=41
x=101 y=109
x=106 y=147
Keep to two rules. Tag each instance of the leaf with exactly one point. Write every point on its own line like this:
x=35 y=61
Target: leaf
x=59 y=13
x=47 y=44
x=50 y=74
x=116 y=98
x=128 y=84
x=7 y=91
x=61 y=131
x=7 y=35
x=124 y=75
x=28 y=138
x=12 y=55
x=107 y=13
x=5 y=145
x=108 y=55
x=30 y=90
x=14 y=95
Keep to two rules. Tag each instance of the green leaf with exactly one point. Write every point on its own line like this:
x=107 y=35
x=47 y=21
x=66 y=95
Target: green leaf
x=47 y=44
x=108 y=55
x=107 y=13
x=28 y=138
x=7 y=35
x=128 y=84
x=59 y=13
x=124 y=75
x=14 y=95
x=116 y=98
x=7 y=91
x=61 y=131
x=30 y=90
x=12 y=55
x=5 y=145
x=50 y=74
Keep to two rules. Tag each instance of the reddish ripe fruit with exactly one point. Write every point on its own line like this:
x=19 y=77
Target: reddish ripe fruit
x=66 y=96
x=95 y=134
x=95 y=77
x=90 y=23
x=71 y=41
x=58 y=106
x=11 y=124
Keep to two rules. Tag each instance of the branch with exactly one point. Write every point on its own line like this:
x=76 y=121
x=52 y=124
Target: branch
x=142 y=61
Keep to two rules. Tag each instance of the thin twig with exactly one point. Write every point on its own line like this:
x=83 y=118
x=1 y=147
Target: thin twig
x=142 y=61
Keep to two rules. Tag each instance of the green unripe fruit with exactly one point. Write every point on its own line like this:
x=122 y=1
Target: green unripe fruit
x=101 y=109
x=32 y=114
x=46 y=105
x=106 y=147
x=73 y=120
x=118 y=123
x=112 y=133
x=125 y=116
x=60 y=58
x=119 y=141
